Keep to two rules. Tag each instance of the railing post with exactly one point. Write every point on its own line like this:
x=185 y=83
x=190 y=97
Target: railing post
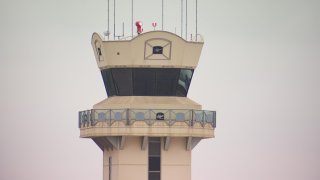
x=91 y=117
x=127 y=116
x=170 y=119
x=110 y=111
x=85 y=118
x=203 y=118
x=152 y=121
x=192 y=118
x=214 y=119
x=79 y=119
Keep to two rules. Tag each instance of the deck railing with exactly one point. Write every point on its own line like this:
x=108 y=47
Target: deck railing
x=129 y=116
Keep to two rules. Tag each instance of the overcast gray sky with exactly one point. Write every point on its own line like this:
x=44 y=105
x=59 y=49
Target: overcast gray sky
x=259 y=70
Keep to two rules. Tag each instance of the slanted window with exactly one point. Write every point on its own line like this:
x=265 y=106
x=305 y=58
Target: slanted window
x=123 y=81
x=147 y=81
x=108 y=82
x=184 y=81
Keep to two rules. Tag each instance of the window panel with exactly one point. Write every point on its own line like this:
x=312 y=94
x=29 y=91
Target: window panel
x=108 y=82
x=154 y=149
x=167 y=81
x=154 y=163
x=147 y=81
x=144 y=82
x=184 y=82
x=154 y=153
x=154 y=175
x=123 y=81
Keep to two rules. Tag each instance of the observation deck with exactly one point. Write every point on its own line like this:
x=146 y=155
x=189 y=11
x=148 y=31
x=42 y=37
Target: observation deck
x=147 y=116
x=147 y=122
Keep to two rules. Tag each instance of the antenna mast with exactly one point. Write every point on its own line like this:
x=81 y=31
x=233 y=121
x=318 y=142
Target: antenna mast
x=114 y=19
x=132 y=18
x=181 y=18
x=196 y=20
x=162 y=17
x=122 y=29
x=186 y=19
x=108 y=20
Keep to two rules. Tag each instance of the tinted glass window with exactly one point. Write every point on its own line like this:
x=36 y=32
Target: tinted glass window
x=154 y=149
x=147 y=81
x=184 y=81
x=122 y=81
x=154 y=176
x=144 y=82
x=154 y=163
x=108 y=82
x=167 y=81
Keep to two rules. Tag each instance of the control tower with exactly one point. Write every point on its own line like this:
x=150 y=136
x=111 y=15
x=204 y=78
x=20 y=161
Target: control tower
x=147 y=126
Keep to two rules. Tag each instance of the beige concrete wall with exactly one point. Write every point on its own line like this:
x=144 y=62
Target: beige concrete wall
x=106 y=164
x=142 y=129
x=132 y=162
x=176 y=162
x=132 y=53
x=129 y=163
x=147 y=102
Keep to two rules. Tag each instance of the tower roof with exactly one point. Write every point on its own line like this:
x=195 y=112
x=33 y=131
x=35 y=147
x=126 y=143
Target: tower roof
x=154 y=49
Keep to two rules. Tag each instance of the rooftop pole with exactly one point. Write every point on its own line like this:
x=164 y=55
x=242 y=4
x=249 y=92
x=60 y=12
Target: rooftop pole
x=181 y=18
x=108 y=19
x=196 y=20
x=132 y=18
x=122 y=29
x=114 y=19
x=162 y=16
x=186 y=19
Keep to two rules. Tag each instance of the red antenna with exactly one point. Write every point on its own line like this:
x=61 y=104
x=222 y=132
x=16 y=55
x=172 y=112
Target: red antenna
x=139 y=27
x=154 y=24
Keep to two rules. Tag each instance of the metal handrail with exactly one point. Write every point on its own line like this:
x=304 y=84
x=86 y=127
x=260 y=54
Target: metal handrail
x=129 y=116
